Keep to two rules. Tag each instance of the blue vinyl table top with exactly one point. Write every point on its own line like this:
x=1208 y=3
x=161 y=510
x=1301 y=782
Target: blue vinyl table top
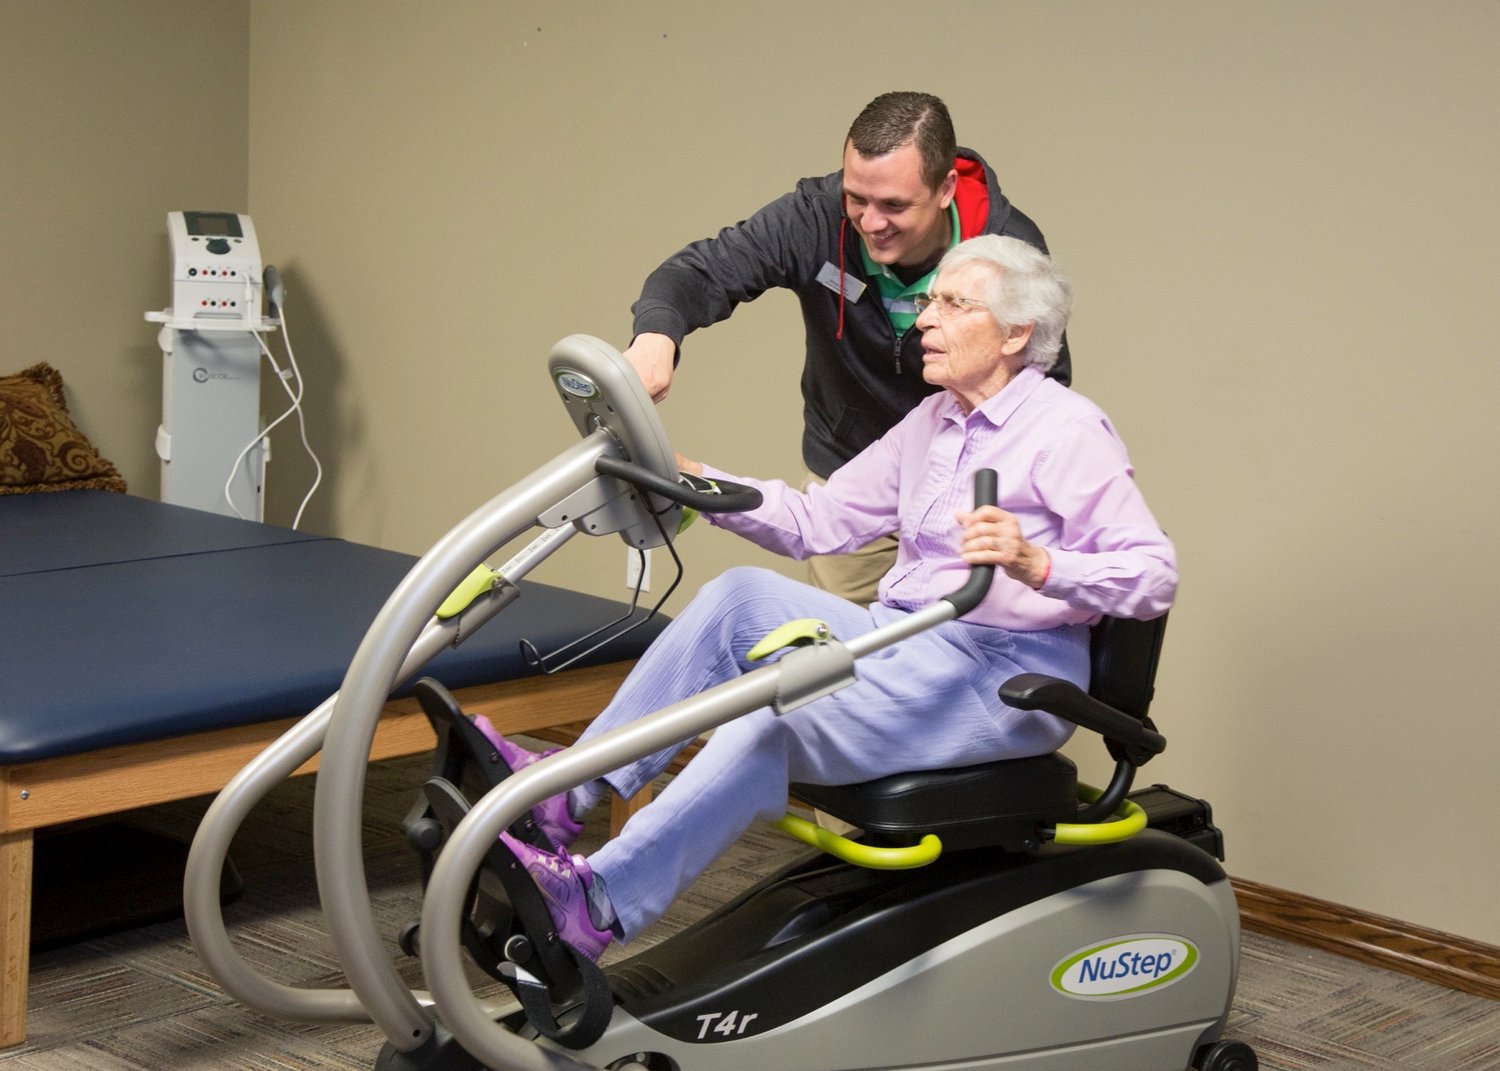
x=124 y=619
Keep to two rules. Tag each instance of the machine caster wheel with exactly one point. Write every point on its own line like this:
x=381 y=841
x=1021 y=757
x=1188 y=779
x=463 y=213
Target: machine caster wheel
x=1226 y=1056
x=406 y=940
x=644 y=1061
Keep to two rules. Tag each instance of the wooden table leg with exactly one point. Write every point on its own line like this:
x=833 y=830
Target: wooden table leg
x=15 y=938
x=621 y=810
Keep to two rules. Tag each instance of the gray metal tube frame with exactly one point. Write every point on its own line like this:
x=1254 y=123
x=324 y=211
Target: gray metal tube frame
x=202 y=881
x=447 y=890
x=202 y=901
x=600 y=392
x=372 y=675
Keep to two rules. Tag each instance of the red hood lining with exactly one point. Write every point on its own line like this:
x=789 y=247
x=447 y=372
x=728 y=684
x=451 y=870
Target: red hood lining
x=972 y=197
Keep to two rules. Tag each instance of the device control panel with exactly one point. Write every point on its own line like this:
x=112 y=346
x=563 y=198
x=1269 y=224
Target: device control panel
x=216 y=269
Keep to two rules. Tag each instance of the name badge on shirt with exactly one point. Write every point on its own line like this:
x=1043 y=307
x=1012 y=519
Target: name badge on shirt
x=829 y=277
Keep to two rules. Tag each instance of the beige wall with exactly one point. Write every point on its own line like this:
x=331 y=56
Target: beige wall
x=111 y=115
x=1280 y=222
x=1278 y=216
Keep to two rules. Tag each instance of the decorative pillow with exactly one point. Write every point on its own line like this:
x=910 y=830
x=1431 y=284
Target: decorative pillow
x=41 y=449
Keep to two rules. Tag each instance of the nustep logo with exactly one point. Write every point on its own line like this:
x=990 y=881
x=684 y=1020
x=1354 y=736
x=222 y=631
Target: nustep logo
x=1125 y=967
x=576 y=384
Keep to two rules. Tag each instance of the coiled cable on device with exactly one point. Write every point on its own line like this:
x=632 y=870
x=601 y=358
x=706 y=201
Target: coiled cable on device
x=275 y=298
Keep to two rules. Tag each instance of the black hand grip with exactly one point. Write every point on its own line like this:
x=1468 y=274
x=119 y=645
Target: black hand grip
x=730 y=498
x=275 y=291
x=1037 y=691
x=986 y=487
x=986 y=493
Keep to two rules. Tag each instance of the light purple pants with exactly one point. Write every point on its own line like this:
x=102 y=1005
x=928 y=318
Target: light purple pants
x=929 y=702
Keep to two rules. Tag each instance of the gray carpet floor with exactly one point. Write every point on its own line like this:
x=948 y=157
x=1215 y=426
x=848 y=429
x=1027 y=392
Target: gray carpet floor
x=139 y=1000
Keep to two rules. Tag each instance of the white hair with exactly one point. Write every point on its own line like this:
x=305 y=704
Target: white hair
x=1025 y=287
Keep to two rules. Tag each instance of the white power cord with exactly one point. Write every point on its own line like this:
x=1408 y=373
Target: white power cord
x=282 y=377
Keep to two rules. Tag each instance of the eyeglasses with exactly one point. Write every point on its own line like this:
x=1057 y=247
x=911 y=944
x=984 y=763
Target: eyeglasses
x=948 y=305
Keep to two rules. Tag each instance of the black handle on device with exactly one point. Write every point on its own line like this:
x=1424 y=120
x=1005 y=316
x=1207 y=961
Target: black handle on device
x=730 y=498
x=986 y=493
x=1037 y=691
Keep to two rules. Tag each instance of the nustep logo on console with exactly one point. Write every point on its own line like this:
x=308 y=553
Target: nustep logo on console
x=1125 y=967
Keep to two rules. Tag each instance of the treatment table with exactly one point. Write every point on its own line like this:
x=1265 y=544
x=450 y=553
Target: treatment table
x=148 y=652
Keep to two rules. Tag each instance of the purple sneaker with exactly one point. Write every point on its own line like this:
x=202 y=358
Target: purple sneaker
x=551 y=814
x=564 y=882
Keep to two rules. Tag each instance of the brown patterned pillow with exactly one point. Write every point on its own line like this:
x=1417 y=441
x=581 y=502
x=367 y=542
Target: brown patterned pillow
x=41 y=449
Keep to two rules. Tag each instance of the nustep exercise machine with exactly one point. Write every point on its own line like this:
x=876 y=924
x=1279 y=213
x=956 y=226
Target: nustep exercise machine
x=996 y=916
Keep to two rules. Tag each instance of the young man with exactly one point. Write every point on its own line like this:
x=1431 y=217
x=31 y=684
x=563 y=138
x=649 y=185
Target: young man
x=856 y=247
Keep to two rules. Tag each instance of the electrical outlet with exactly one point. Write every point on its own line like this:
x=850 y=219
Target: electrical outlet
x=638 y=569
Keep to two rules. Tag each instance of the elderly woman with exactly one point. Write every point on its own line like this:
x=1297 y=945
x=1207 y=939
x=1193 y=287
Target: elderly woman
x=1071 y=533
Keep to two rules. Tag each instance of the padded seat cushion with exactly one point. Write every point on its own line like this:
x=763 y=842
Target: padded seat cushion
x=995 y=803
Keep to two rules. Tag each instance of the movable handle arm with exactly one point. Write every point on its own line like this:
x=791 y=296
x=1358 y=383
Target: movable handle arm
x=726 y=497
x=1037 y=691
x=986 y=493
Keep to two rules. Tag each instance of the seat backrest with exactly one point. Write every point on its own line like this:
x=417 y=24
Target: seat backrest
x=1122 y=658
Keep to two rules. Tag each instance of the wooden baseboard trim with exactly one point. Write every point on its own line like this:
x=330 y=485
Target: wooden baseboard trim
x=1447 y=960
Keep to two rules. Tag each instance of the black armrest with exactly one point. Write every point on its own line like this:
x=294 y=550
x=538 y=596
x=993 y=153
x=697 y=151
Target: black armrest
x=1037 y=691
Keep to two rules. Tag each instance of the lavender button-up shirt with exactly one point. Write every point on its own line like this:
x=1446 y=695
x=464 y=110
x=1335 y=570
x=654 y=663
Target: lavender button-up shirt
x=1064 y=474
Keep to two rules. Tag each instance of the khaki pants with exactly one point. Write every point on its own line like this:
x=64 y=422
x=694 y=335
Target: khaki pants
x=855 y=575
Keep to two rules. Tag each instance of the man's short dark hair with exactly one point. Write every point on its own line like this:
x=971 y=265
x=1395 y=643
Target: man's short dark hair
x=892 y=120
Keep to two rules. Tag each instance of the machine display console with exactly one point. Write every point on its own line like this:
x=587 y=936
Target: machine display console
x=213 y=224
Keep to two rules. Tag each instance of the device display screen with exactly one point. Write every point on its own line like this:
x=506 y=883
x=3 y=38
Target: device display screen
x=213 y=224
